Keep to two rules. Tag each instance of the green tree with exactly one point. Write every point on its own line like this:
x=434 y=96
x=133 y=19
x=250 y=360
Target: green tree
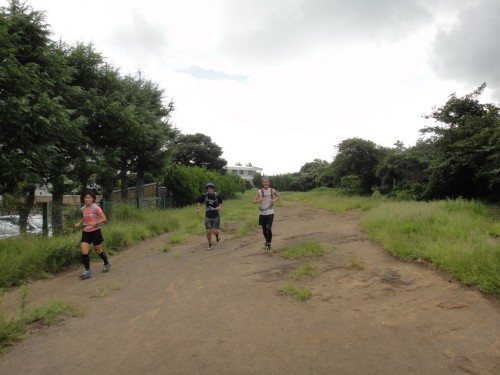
x=188 y=183
x=198 y=150
x=257 y=180
x=285 y=182
x=315 y=174
x=466 y=149
x=35 y=124
x=98 y=104
x=90 y=73
x=127 y=127
x=357 y=157
x=402 y=171
x=153 y=131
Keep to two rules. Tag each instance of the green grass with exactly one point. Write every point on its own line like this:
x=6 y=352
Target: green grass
x=239 y=216
x=304 y=271
x=494 y=229
x=176 y=238
x=454 y=235
x=302 y=250
x=298 y=293
x=14 y=329
x=334 y=201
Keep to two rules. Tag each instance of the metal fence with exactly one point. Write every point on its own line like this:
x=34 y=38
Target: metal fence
x=152 y=203
x=48 y=218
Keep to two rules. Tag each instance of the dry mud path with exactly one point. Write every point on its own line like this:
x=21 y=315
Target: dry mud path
x=192 y=311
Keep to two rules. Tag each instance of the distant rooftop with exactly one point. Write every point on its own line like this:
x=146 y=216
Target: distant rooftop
x=244 y=172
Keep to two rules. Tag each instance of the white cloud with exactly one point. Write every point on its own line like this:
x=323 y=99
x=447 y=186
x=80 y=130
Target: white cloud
x=280 y=83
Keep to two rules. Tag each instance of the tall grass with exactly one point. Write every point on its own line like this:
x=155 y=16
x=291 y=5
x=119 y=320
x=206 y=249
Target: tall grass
x=455 y=235
x=334 y=201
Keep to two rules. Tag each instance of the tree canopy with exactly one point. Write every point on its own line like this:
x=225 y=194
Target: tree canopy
x=198 y=150
x=466 y=149
x=69 y=121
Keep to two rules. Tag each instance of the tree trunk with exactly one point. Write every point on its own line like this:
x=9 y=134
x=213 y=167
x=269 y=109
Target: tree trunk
x=139 y=188
x=25 y=210
x=56 y=212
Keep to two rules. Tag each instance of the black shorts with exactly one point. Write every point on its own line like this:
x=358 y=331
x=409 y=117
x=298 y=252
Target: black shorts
x=266 y=220
x=94 y=237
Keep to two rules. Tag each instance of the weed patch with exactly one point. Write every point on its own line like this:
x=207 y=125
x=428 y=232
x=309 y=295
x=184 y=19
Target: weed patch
x=298 y=293
x=13 y=330
x=304 y=271
x=175 y=238
x=356 y=265
x=302 y=250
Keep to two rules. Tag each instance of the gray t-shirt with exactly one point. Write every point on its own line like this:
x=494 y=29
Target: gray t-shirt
x=266 y=207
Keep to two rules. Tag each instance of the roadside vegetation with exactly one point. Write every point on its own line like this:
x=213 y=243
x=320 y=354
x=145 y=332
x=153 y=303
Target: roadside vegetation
x=459 y=236
x=30 y=320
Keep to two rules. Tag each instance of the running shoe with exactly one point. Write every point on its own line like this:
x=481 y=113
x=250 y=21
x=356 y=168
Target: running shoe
x=210 y=246
x=269 y=248
x=217 y=237
x=106 y=267
x=87 y=274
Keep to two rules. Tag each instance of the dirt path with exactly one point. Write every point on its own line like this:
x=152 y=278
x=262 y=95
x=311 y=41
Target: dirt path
x=193 y=311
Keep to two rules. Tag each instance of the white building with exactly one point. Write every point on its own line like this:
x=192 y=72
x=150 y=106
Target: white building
x=244 y=172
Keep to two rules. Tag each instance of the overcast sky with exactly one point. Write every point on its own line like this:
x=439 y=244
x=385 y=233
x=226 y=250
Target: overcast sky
x=279 y=83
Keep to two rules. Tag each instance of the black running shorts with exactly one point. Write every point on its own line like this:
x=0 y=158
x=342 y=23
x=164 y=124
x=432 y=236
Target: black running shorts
x=94 y=237
x=266 y=220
